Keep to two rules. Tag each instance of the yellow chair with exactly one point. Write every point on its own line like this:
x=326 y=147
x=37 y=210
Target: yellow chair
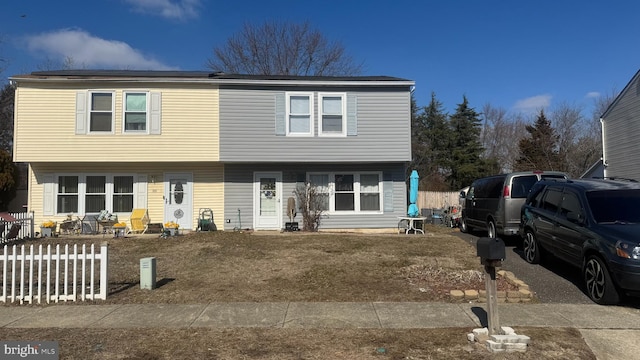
x=139 y=220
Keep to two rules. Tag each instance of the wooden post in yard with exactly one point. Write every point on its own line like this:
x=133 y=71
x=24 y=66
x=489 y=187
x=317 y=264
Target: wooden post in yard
x=492 y=297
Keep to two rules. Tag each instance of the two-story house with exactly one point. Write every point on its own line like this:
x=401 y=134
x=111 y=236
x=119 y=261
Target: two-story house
x=620 y=132
x=175 y=142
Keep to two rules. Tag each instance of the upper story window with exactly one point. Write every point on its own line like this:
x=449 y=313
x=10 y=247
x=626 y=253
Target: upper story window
x=300 y=114
x=135 y=112
x=332 y=113
x=101 y=112
x=139 y=112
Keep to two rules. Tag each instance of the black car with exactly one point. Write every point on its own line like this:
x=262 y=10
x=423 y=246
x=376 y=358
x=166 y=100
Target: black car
x=591 y=224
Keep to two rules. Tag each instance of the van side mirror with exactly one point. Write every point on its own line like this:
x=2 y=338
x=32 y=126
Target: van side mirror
x=463 y=194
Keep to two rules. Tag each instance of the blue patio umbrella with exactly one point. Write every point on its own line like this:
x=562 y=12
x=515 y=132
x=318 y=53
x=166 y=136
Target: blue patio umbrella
x=413 y=210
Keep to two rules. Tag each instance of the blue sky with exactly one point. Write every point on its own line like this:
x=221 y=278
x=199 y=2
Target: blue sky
x=518 y=55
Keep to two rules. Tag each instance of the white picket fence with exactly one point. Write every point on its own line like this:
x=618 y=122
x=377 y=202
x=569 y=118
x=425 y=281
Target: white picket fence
x=29 y=277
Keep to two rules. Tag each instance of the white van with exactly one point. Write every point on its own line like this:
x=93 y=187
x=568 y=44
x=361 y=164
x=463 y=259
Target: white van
x=493 y=203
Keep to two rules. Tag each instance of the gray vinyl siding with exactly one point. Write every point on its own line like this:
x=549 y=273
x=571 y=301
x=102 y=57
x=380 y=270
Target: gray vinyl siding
x=239 y=194
x=248 y=128
x=622 y=134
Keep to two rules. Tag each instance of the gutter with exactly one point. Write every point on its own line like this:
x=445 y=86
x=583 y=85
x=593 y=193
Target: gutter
x=604 y=149
x=18 y=80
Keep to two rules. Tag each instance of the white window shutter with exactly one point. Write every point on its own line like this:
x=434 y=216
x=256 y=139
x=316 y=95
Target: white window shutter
x=352 y=115
x=155 y=113
x=48 y=195
x=141 y=194
x=281 y=105
x=81 y=112
x=387 y=187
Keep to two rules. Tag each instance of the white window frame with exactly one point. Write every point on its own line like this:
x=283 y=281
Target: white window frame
x=356 y=190
x=124 y=112
x=343 y=99
x=89 y=111
x=288 y=113
x=82 y=191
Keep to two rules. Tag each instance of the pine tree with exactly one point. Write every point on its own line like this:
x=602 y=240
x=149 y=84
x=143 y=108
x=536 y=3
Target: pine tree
x=8 y=179
x=465 y=163
x=429 y=145
x=539 y=150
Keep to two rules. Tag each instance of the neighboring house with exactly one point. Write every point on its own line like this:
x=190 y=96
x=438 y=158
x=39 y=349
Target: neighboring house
x=620 y=132
x=177 y=142
x=594 y=171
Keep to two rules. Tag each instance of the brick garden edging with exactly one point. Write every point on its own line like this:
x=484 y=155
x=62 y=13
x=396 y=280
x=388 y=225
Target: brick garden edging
x=522 y=295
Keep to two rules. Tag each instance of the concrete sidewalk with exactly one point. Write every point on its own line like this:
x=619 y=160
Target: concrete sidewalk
x=609 y=331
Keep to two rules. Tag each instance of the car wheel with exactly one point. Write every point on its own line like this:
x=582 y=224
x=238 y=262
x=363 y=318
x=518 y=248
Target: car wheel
x=463 y=225
x=600 y=288
x=531 y=248
x=491 y=230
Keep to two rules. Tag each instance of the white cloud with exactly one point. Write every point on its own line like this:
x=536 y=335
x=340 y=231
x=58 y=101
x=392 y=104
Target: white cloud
x=89 y=51
x=533 y=104
x=170 y=9
x=592 y=95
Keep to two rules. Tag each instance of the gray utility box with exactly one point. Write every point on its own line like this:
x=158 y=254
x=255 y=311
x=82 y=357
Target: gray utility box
x=148 y=273
x=490 y=248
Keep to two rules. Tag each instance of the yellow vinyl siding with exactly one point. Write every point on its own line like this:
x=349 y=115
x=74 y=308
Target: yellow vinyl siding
x=46 y=117
x=208 y=186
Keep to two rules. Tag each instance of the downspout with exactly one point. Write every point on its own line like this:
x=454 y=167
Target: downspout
x=604 y=151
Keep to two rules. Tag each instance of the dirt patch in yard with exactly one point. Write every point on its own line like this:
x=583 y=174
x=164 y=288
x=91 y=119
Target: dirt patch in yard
x=230 y=267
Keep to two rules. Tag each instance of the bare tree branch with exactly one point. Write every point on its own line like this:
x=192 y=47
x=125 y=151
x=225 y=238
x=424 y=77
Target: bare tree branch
x=276 y=48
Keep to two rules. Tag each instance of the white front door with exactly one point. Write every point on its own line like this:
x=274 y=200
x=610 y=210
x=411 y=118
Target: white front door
x=178 y=199
x=267 y=204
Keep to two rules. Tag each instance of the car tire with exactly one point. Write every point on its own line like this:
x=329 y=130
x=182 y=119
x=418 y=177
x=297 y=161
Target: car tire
x=491 y=229
x=600 y=287
x=463 y=225
x=531 y=248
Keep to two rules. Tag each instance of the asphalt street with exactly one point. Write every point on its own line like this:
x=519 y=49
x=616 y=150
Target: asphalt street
x=552 y=281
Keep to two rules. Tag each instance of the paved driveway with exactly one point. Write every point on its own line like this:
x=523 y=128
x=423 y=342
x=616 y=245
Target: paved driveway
x=552 y=281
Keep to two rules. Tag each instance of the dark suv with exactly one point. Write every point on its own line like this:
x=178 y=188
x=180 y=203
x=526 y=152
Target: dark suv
x=592 y=224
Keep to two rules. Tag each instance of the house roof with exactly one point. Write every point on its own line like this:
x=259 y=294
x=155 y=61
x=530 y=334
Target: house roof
x=205 y=76
x=622 y=93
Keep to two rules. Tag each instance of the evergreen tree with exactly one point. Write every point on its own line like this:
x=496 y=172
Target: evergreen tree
x=6 y=117
x=539 y=150
x=8 y=179
x=429 y=145
x=465 y=151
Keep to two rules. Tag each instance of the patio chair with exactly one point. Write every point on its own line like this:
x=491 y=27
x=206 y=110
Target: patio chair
x=139 y=220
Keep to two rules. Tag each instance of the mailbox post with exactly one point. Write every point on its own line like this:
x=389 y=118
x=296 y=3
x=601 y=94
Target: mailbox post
x=491 y=252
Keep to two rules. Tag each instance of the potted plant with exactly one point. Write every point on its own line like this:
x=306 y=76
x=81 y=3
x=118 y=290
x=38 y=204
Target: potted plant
x=119 y=229
x=171 y=228
x=48 y=228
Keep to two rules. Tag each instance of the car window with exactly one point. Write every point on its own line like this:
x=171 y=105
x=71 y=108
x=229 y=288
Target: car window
x=615 y=206
x=552 y=176
x=570 y=204
x=520 y=185
x=535 y=196
x=551 y=200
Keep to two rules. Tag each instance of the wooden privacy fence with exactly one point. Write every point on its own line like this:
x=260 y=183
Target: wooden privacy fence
x=437 y=199
x=29 y=276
